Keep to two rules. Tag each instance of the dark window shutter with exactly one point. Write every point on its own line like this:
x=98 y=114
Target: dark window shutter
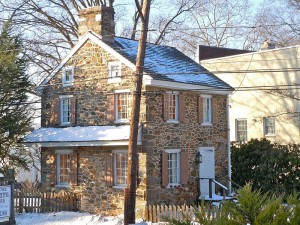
x=214 y=110
x=51 y=161
x=111 y=107
x=200 y=109
x=109 y=170
x=166 y=107
x=184 y=162
x=164 y=170
x=72 y=110
x=55 y=113
x=181 y=107
x=74 y=169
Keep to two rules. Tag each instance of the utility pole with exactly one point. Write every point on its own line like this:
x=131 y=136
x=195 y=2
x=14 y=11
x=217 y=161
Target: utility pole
x=130 y=191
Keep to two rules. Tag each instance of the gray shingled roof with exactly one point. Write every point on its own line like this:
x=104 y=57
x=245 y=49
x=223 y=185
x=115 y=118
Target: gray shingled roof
x=168 y=64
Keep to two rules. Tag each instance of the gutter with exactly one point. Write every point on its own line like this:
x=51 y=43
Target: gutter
x=228 y=147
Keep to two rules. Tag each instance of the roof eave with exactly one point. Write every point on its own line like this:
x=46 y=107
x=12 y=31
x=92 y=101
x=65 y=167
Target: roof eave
x=77 y=143
x=148 y=81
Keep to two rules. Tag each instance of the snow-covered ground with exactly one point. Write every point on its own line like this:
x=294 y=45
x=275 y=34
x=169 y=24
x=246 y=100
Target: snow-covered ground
x=68 y=218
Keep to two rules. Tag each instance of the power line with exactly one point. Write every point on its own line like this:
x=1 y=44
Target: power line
x=227 y=27
x=241 y=89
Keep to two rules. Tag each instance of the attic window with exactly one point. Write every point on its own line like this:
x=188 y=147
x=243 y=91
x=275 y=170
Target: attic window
x=114 y=72
x=68 y=76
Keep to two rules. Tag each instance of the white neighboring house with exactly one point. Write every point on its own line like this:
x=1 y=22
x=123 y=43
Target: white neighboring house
x=34 y=172
x=256 y=109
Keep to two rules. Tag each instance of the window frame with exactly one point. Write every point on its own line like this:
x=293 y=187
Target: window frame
x=173 y=107
x=62 y=98
x=112 y=78
x=207 y=109
x=70 y=82
x=58 y=167
x=125 y=169
x=178 y=169
x=237 y=130
x=267 y=126
x=116 y=106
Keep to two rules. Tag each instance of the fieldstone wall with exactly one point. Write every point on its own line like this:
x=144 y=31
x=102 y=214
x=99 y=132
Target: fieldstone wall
x=96 y=197
x=90 y=88
x=187 y=136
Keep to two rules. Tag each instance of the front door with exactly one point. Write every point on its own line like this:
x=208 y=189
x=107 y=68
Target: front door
x=206 y=169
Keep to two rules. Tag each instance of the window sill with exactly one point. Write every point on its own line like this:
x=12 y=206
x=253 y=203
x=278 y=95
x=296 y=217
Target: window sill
x=68 y=84
x=270 y=135
x=119 y=187
x=173 y=185
x=172 y=121
x=65 y=124
x=121 y=121
x=114 y=80
x=62 y=186
x=206 y=124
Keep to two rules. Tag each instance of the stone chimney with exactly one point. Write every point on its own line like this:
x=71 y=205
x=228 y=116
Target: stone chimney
x=268 y=44
x=99 y=19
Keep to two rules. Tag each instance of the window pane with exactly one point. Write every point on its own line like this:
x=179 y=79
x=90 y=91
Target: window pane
x=241 y=130
x=173 y=168
x=68 y=75
x=173 y=105
x=269 y=125
x=123 y=106
x=114 y=71
x=65 y=110
x=121 y=168
x=64 y=168
x=207 y=110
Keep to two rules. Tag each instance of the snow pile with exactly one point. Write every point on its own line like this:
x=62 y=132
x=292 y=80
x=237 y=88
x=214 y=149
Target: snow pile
x=68 y=218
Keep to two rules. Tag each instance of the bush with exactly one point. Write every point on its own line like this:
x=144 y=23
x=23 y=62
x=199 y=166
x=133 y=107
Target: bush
x=269 y=167
x=252 y=207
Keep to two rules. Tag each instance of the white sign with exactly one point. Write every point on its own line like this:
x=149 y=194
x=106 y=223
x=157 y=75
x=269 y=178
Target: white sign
x=5 y=201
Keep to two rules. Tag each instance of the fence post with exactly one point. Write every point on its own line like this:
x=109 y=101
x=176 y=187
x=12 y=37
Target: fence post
x=11 y=174
x=210 y=188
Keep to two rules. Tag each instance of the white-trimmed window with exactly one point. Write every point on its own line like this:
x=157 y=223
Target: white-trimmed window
x=65 y=109
x=114 y=72
x=207 y=109
x=122 y=106
x=68 y=76
x=241 y=129
x=269 y=126
x=63 y=167
x=120 y=168
x=173 y=166
x=172 y=107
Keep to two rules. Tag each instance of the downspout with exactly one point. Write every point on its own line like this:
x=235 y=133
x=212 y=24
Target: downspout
x=228 y=145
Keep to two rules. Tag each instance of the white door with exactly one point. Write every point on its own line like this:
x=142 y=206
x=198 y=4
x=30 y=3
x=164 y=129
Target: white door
x=206 y=169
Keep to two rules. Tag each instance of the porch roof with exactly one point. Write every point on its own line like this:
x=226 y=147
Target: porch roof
x=80 y=136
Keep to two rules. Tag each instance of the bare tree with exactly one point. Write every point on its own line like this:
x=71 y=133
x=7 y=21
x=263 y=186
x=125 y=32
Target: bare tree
x=164 y=18
x=49 y=28
x=215 y=23
x=279 y=21
x=292 y=94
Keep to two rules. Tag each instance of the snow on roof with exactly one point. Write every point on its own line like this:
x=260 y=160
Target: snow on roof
x=168 y=64
x=79 y=134
x=162 y=63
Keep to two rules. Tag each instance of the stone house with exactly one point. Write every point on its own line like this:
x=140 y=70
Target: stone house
x=84 y=133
